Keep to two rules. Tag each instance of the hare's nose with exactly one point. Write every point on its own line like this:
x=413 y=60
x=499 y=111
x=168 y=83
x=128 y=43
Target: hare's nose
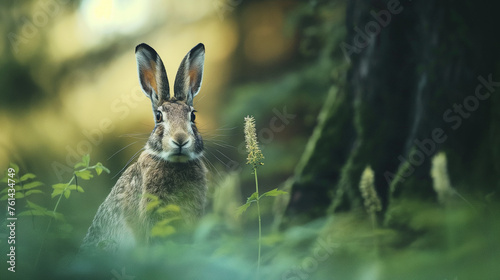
x=180 y=140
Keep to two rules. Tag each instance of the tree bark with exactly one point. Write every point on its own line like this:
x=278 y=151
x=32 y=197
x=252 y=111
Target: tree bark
x=410 y=92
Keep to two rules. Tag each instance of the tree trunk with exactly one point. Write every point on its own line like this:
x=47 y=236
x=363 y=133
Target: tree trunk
x=411 y=91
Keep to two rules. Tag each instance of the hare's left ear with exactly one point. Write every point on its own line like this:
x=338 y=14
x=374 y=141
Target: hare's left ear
x=152 y=75
x=188 y=80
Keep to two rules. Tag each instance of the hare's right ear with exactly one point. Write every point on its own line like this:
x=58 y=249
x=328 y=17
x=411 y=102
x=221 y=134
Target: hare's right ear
x=152 y=75
x=190 y=74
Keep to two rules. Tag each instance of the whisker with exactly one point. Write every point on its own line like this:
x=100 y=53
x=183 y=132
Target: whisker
x=222 y=145
x=229 y=128
x=463 y=198
x=216 y=143
x=209 y=163
x=213 y=135
x=128 y=162
x=218 y=139
x=222 y=162
x=223 y=155
x=122 y=149
x=136 y=135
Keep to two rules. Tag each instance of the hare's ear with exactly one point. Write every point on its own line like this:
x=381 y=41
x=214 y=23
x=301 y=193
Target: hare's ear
x=188 y=80
x=152 y=75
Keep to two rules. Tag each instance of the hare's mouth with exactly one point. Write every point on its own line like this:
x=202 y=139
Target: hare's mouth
x=178 y=158
x=179 y=155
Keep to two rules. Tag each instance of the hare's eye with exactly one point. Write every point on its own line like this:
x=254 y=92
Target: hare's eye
x=193 y=116
x=159 y=116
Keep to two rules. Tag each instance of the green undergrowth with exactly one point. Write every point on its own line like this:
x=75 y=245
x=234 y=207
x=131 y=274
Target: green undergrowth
x=456 y=240
x=444 y=244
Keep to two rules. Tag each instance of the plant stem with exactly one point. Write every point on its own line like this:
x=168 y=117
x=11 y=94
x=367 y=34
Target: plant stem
x=50 y=220
x=60 y=196
x=260 y=223
x=373 y=219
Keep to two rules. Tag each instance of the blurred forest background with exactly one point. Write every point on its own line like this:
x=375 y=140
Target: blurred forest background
x=399 y=96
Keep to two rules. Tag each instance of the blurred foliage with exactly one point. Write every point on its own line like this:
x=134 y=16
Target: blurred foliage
x=285 y=103
x=166 y=215
x=286 y=65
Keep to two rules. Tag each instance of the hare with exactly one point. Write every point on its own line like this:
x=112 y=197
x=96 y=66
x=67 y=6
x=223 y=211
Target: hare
x=170 y=167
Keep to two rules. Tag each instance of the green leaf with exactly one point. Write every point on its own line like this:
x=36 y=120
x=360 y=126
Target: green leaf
x=36 y=210
x=32 y=192
x=162 y=231
x=99 y=168
x=80 y=164
x=167 y=221
x=67 y=193
x=169 y=208
x=151 y=196
x=274 y=192
x=105 y=169
x=35 y=206
x=19 y=195
x=163 y=227
x=243 y=208
x=86 y=160
x=32 y=185
x=84 y=163
x=32 y=213
x=84 y=174
x=59 y=189
x=15 y=166
x=27 y=176
x=56 y=192
x=252 y=197
x=79 y=189
x=56 y=215
x=152 y=205
x=6 y=189
x=59 y=186
x=17 y=188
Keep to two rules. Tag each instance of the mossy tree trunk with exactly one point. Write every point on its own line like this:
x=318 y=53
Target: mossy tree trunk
x=424 y=81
